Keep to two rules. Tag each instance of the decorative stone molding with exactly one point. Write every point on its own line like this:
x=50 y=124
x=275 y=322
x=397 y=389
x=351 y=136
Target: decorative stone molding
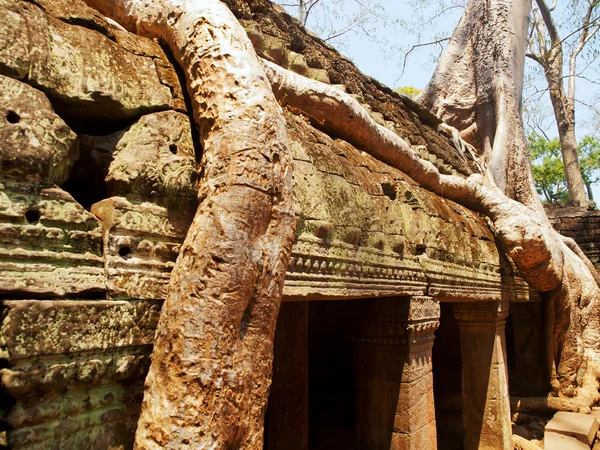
x=484 y=314
x=414 y=329
x=141 y=244
x=44 y=234
x=334 y=269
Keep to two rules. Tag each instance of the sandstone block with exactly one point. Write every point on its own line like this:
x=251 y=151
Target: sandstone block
x=556 y=441
x=84 y=72
x=155 y=160
x=141 y=244
x=580 y=426
x=36 y=145
x=37 y=328
x=318 y=74
x=297 y=63
x=49 y=244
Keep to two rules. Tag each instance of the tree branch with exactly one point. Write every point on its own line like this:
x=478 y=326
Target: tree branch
x=583 y=39
x=424 y=44
x=535 y=57
x=356 y=22
x=548 y=21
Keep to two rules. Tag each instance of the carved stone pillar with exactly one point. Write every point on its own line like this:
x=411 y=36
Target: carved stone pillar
x=486 y=403
x=394 y=380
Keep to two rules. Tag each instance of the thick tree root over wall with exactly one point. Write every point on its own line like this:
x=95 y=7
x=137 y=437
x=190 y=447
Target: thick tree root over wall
x=544 y=258
x=211 y=368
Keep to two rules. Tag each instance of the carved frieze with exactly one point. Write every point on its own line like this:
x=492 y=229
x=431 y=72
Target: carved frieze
x=44 y=235
x=141 y=244
x=80 y=363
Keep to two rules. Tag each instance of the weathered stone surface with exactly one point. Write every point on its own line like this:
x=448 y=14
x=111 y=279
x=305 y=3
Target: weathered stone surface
x=34 y=328
x=486 y=405
x=85 y=73
x=36 y=146
x=76 y=12
x=414 y=123
x=78 y=364
x=155 y=159
x=49 y=245
x=580 y=426
x=392 y=346
x=580 y=224
x=365 y=229
x=275 y=50
x=141 y=244
x=151 y=160
x=557 y=441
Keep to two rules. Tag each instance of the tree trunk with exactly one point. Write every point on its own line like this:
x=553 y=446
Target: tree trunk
x=564 y=112
x=487 y=49
x=477 y=88
x=211 y=365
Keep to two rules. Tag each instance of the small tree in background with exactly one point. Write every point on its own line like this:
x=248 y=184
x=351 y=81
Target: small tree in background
x=409 y=91
x=549 y=171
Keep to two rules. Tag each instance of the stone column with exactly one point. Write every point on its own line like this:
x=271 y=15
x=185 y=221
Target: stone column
x=286 y=422
x=486 y=403
x=394 y=380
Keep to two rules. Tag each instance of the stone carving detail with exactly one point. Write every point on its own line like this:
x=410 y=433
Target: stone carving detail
x=481 y=314
x=410 y=323
x=81 y=363
x=337 y=269
x=44 y=233
x=141 y=244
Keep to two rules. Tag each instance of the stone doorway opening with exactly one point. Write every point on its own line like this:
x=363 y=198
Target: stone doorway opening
x=311 y=403
x=353 y=374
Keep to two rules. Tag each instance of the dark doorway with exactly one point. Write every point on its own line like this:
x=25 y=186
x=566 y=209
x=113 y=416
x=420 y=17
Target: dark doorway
x=447 y=381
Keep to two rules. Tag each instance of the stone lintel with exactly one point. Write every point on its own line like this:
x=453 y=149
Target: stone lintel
x=37 y=328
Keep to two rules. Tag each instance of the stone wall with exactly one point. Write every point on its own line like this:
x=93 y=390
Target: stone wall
x=98 y=171
x=580 y=224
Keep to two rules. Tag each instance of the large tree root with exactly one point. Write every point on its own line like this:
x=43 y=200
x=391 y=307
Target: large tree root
x=586 y=396
x=211 y=366
x=542 y=256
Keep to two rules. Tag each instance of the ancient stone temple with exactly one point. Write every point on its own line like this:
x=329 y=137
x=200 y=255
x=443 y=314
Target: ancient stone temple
x=401 y=321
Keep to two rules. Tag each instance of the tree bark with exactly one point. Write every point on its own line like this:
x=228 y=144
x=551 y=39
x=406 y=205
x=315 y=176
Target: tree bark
x=211 y=366
x=487 y=49
x=477 y=88
x=551 y=60
x=564 y=112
